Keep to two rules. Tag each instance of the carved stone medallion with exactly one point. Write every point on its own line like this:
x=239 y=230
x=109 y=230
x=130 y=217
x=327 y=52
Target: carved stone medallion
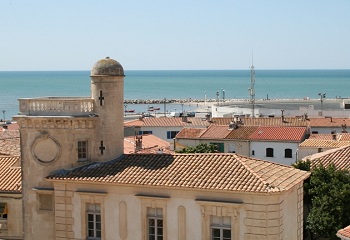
x=45 y=149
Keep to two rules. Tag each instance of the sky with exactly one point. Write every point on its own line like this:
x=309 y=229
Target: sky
x=174 y=35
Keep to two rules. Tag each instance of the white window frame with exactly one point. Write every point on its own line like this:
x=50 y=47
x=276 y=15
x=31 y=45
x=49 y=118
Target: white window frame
x=80 y=152
x=153 y=202
x=94 y=214
x=155 y=217
x=221 y=227
x=90 y=198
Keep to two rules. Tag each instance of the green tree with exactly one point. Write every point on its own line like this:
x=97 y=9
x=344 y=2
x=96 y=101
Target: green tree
x=201 y=148
x=329 y=191
x=327 y=196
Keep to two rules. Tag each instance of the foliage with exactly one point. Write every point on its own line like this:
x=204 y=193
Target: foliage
x=327 y=195
x=302 y=165
x=201 y=148
x=330 y=198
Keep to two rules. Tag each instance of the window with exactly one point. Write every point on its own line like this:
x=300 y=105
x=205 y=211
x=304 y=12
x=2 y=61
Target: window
x=171 y=134
x=314 y=132
x=154 y=217
x=45 y=202
x=93 y=221
x=288 y=153
x=253 y=152
x=145 y=132
x=220 y=228
x=155 y=223
x=3 y=211
x=219 y=146
x=82 y=150
x=269 y=152
x=220 y=220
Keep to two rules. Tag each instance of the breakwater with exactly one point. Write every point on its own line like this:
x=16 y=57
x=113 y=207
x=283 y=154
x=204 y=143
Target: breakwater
x=167 y=101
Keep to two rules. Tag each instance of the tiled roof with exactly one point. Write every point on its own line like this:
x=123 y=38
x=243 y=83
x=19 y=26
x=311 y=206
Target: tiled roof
x=340 y=157
x=265 y=121
x=167 y=122
x=294 y=134
x=344 y=233
x=150 y=144
x=9 y=142
x=320 y=143
x=10 y=175
x=242 y=132
x=224 y=172
x=288 y=121
x=216 y=132
x=329 y=122
x=190 y=133
x=338 y=136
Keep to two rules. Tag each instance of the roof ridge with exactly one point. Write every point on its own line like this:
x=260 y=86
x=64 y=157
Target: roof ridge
x=239 y=158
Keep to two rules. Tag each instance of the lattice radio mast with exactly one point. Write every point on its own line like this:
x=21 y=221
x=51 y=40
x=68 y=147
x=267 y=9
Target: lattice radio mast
x=252 y=88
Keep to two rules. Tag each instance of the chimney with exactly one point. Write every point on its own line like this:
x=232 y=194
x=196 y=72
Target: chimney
x=334 y=135
x=184 y=118
x=138 y=143
x=207 y=117
x=343 y=126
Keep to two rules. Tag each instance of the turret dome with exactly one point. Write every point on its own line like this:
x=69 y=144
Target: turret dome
x=107 y=67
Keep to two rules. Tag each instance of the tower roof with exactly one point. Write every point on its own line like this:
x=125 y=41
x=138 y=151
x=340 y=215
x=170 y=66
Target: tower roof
x=107 y=67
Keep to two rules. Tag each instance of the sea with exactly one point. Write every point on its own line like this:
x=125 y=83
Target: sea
x=176 y=84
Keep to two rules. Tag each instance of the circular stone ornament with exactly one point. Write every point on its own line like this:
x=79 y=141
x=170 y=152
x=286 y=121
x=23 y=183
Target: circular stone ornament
x=45 y=149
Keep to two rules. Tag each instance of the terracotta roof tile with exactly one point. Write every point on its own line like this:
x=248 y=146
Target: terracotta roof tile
x=295 y=134
x=288 y=121
x=168 y=122
x=329 y=122
x=320 y=143
x=340 y=157
x=242 y=132
x=337 y=136
x=265 y=121
x=150 y=144
x=344 y=233
x=225 y=172
x=190 y=133
x=216 y=132
x=10 y=175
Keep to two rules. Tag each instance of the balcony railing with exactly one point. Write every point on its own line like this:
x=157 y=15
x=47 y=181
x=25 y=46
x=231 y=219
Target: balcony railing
x=56 y=106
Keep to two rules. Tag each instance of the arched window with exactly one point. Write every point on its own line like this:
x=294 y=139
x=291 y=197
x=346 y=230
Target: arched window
x=288 y=153
x=269 y=152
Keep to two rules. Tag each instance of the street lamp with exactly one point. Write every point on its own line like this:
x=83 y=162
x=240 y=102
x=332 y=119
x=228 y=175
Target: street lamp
x=322 y=97
x=3 y=113
x=125 y=106
x=217 y=97
x=223 y=95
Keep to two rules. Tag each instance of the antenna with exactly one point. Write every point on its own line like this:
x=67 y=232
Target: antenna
x=252 y=87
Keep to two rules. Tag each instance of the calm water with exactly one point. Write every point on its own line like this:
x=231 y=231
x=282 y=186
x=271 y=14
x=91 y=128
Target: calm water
x=177 y=85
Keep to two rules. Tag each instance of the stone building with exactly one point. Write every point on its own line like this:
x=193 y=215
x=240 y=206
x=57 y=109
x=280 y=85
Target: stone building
x=78 y=184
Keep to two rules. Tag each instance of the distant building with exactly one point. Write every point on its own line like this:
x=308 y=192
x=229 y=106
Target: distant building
x=317 y=143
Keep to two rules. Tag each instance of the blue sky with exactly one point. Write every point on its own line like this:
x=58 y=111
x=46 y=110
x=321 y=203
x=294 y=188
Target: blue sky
x=164 y=34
